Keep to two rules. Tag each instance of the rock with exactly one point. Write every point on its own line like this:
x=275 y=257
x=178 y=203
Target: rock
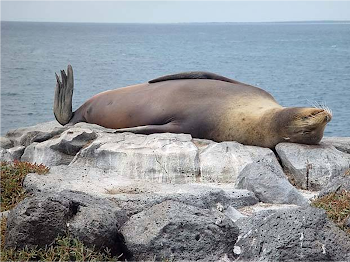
x=233 y=214
x=4 y=214
x=16 y=152
x=40 y=219
x=266 y=179
x=173 y=230
x=11 y=154
x=60 y=150
x=38 y=133
x=5 y=155
x=303 y=234
x=223 y=162
x=337 y=184
x=312 y=166
x=166 y=157
x=136 y=195
x=5 y=143
x=340 y=143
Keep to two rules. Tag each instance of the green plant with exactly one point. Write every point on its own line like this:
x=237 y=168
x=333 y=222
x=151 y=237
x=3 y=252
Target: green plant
x=62 y=249
x=337 y=206
x=12 y=176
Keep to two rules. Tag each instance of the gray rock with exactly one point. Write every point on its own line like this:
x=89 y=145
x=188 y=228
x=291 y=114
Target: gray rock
x=337 y=184
x=38 y=133
x=165 y=157
x=223 y=162
x=312 y=166
x=11 y=154
x=340 y=143
x=16 y=152
x=5 y=155
x=5 y=143
x=266 y=179
x=173 y=230
x=303 y=234
x=38 y=220
x=136 y=195
x=60 y=150
x=4 y=214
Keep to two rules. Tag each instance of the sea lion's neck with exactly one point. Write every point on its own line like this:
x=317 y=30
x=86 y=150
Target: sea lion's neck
x=269 y=128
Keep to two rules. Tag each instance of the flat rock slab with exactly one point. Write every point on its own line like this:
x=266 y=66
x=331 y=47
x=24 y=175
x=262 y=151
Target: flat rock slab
x=312 y=166
x=173 y=230
x=136 y=195
x=171 y=158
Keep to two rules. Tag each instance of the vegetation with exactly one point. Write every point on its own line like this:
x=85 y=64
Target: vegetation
x=64 y=248
x=12 y=176
x=337 y=206
x=2 y=232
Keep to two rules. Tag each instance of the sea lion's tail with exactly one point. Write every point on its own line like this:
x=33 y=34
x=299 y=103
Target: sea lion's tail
x=62 y=106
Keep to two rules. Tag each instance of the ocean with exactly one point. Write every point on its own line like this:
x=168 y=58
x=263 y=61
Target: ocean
x=298 y=63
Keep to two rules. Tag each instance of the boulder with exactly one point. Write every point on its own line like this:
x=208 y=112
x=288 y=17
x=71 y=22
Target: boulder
x=303 y=234
x=312 y=166
x=5 y=155
x=266 y=179
x=5 y=143
x=60 y=150
x=26 y=135
x=223 y=162
x=166 y=157
x=38 y=220
x=337 y=184
x=173 y=230
x=340 y=143
x=11 y=154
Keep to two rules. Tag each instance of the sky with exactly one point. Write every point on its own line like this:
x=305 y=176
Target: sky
x=173 y=11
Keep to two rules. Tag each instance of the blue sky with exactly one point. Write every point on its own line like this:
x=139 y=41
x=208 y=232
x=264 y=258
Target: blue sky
x=174 y=12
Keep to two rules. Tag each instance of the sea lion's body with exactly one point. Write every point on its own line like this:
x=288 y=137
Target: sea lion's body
x=219 y=110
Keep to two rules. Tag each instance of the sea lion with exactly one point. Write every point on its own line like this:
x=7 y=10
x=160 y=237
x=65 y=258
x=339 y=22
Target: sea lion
x=202 y=104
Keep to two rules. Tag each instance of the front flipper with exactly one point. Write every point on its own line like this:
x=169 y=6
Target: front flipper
x=152 y=129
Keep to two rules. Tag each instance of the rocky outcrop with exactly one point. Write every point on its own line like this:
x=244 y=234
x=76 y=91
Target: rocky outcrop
x=173 y=230
x=169 y=196
x=135 y=195
x=312 y=166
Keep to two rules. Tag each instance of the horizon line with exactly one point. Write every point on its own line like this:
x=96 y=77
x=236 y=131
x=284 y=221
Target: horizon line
x=212 y=22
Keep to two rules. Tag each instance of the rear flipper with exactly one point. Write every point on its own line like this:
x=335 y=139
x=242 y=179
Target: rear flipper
x=62 y=107
x=152 y=129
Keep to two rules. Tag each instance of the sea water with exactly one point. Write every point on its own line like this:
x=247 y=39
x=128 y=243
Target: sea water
x=298 y=63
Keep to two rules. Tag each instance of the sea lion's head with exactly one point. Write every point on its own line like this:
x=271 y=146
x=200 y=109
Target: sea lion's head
x=303 y=125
